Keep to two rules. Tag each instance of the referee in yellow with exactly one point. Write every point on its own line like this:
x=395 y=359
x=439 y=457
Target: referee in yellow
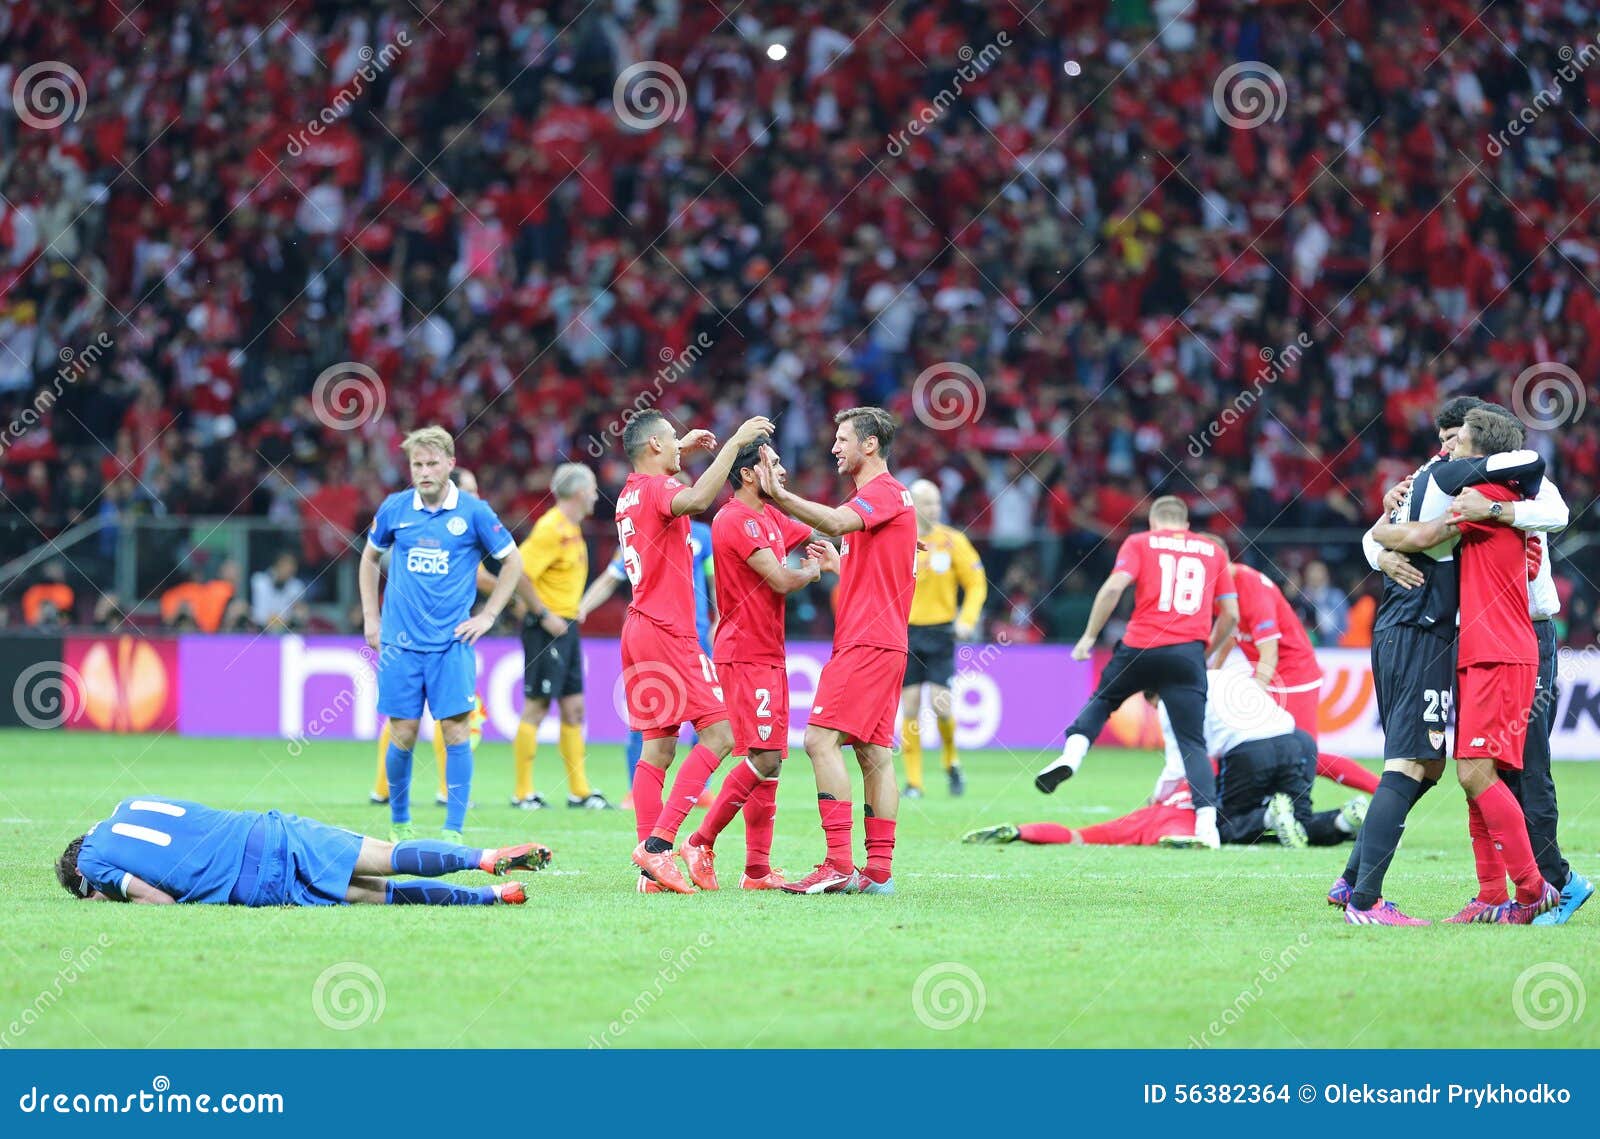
x=946 y=563
x=556 y=564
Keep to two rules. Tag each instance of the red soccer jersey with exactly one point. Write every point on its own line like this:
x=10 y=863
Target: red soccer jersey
x=655 y=550
x=1493 y=559
x=1265 y=613
x=1178 y=577
x=750 y=612
x=877 y=568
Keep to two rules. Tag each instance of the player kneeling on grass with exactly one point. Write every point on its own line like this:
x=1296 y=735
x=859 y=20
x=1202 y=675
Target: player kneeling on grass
x=159 y=851
x=1265 y=770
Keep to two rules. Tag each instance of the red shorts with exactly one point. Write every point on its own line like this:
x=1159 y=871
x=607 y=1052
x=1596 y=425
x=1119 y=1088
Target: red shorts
x=1144 y=827
x=858 y=693
x=1493 y=702
x=1301 y=704
x=666 y=680
x=758 y=706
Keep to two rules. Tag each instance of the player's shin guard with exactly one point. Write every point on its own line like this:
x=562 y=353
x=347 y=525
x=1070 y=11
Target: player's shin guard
x=911 y=750
x=458 y=782
x=572 y=758
x=648 y=781
x=1346 y=771
x=438 y=894
x=697 y=768
x=760 y=812
x=431 y=858
x=1380 y=835
x=836 y=828
x=736 y=790
x=397 y=765
x=1502 y=814
x=880 y=848
x=1490 y=866
x=1045 y=834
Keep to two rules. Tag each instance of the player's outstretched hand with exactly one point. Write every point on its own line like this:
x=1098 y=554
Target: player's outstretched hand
x=698 y=440
x=1083 y=649
x=751 y=430
x=1398 y=568
x=474 y=627
x=767 y=473
x=1392 y=496
x=827 y=557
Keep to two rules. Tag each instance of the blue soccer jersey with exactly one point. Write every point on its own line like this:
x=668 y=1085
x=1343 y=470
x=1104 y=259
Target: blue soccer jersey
x=191 y=851
x=433 y=571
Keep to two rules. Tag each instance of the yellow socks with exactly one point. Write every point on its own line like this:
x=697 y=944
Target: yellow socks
x=572 y=757
x=911 y=749
x=438 y=758
x=380 y=788
x=523 y=748
x=947 y=738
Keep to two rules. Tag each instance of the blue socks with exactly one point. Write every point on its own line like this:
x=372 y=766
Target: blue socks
x=433 y=857
x=397 y=765
x=439 y=894
x=458 y=784
x=635 y=750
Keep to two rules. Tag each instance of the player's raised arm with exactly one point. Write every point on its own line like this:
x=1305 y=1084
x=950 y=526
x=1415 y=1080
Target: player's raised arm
x=697 y=499
x=834 y=521
x=1414 y=537
x=1105 y=603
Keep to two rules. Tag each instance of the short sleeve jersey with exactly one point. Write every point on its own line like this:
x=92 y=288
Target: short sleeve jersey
x=1178 y=577
x=751 y=627
x=1493 y=570
x=655 y=551
x=877 y=568
x=191 y=851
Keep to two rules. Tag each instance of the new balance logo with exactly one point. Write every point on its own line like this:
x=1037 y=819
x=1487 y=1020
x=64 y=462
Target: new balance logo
x=817 y=708
x=1478 y=741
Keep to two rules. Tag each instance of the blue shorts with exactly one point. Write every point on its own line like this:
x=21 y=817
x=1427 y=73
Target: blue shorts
x=445 y=680
x=290 y=861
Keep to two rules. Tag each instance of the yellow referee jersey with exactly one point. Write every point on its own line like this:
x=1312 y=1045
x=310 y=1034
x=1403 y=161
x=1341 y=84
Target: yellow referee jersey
x=556 y=561
x=949 y=562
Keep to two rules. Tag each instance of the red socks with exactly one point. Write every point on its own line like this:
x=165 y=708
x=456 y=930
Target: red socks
x=736 y=789
x=836 y=829
x=1502 y=816
x=647 y=784
x=1044 y=833
x=1491 y=867
x=880 y=848
x=760 y=809
x=1346 y=771
x=686 y=788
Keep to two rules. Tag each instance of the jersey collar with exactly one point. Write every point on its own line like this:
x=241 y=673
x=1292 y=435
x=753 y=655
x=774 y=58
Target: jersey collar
x=451 y=497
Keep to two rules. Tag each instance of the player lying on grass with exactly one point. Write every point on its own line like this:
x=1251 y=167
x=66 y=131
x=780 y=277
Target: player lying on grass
x=159 y=851
x=1265 y=770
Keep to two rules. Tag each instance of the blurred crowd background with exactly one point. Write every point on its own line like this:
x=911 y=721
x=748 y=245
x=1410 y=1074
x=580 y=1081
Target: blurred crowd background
x=481 y=226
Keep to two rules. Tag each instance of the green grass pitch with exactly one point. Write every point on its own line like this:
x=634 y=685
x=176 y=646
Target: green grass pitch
x=982 y=947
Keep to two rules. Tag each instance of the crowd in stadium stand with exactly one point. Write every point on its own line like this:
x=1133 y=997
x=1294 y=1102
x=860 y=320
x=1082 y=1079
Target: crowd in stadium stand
x=478 y=225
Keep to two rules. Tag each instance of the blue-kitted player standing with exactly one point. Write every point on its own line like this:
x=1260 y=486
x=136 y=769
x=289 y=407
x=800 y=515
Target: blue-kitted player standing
x=704 y=615
x=425 y=632
x=159 y=851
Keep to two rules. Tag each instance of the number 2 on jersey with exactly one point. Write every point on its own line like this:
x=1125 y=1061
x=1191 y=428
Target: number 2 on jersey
x=1183 y=584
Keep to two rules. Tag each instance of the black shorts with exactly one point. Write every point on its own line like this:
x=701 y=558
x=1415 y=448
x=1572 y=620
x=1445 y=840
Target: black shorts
x=1414 y=678
x=552 y=667
x=931 y=655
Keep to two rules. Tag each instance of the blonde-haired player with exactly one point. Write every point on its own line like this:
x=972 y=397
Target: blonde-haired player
x=468 y=482
x=946 y=564
x=555 y=564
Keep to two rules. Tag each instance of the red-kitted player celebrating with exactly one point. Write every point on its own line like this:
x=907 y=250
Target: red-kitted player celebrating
x=858 y=693
x=667 y=678
x=749 y=542
x=1272 y=639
